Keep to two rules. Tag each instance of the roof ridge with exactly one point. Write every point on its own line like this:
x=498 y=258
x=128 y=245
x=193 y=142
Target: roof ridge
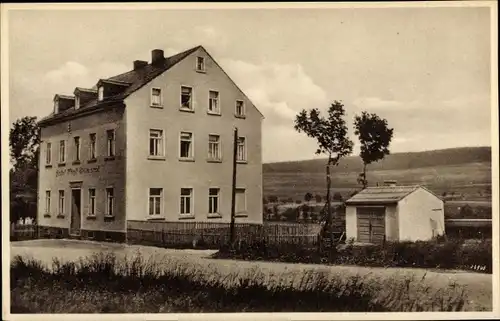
x=86 y=89
x=396 y=186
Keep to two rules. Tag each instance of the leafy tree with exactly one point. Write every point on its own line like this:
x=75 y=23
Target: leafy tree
x=298 y=202
x=276 y=212
x=306 y=209
x=272 y=199
x=318 y=198
x=330 y=134
x=291 y=214
x=467 y=212
x=375 y=136
x=24 y=142
x=308 y=197
x=337 y=197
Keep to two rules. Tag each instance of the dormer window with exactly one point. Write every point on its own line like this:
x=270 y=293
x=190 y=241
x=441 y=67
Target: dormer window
x=200 y=64
x=77 y=102
x=63 y=103
x=108 y=88
x=100 y=93
x=83 y=96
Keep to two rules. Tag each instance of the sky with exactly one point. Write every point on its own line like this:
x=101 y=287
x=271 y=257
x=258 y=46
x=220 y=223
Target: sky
x=425 y=70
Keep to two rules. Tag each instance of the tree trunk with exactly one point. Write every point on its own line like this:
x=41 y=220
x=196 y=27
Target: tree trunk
x=365 y=181
x=328 y=186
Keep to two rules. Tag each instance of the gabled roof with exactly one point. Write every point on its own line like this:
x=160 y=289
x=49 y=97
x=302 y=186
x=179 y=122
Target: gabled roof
x=134 y=79
x=382 y=195
x=59 y=96
x=77 y=89
x=113 y=82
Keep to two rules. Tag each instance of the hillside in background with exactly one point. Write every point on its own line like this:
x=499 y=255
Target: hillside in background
x=397 y=161
x=459 y=173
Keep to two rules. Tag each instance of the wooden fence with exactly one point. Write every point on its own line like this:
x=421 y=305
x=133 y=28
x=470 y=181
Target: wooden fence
x=20 y=232
x=213 y=235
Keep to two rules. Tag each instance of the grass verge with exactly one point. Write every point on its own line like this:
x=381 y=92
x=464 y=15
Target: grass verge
x=103 y=283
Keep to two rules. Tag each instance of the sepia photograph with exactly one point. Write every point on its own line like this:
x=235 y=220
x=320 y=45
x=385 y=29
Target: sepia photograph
x=250 y=161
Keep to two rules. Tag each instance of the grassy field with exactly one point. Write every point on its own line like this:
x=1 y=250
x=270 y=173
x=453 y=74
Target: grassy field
x=463 y=182
x=427 y=286
x=452 y=209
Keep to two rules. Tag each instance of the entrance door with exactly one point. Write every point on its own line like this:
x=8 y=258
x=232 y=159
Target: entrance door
x=371 y=224
x=76 y=210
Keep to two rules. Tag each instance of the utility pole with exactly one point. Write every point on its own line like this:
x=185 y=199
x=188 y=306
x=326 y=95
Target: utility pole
x=233 y=192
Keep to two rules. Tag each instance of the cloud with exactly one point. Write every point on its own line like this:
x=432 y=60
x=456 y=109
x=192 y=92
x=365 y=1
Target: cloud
x=375 y=103
x=32 y=95
x=67 y=71
x=72 y=74
x=280 y=91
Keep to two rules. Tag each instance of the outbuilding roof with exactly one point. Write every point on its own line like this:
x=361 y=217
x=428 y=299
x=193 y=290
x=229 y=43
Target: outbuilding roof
x=382 y=195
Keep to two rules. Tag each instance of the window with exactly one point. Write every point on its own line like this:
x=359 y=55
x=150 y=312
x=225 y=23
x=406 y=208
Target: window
x=62 y=151
x=214 y=150
x=77 y=102
x=77 y=148
x=91 y=201
x=48 y=154
x=213 y=102
x=110 y=201
x=92 y=150
x=100 y=93
x=111 y=142
x=155 y=196
x=186 y=196
x=213 y=200
x=61 y=202
x=241 y=202
x=186 y=98
x=186 y=145
x=47 y=202
x=200 y=63
x=155 y=142
x=156 y=97
x=240 y=108
x=241 y=150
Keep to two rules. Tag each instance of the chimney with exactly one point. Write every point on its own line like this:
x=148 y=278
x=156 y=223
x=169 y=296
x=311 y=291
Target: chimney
x=139 y=64
x=157 y=56
x=390 y=183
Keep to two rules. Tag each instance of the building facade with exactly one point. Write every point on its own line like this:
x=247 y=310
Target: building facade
x=152 y=144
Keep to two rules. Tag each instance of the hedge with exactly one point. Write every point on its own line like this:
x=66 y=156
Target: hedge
x=450 y=254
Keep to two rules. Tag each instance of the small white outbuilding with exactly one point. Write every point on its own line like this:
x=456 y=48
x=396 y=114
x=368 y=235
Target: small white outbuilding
x=394 y=213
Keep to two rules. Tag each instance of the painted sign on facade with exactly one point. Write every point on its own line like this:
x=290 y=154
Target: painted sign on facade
x=78 y=170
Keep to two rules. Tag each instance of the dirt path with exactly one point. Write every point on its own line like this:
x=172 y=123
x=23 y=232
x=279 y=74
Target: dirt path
x=479 y=286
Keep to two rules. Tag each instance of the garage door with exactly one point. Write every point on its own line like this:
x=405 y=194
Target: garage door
x=371 y=224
